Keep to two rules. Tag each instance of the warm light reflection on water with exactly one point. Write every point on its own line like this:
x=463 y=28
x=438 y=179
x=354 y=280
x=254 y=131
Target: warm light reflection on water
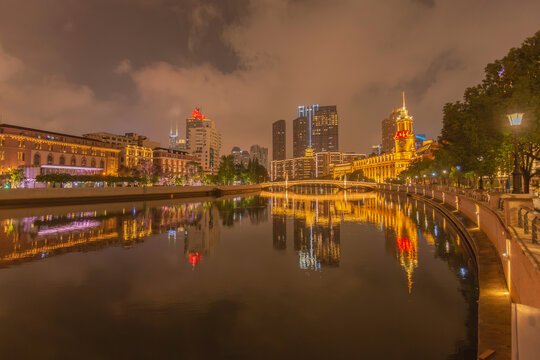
x=315 y=273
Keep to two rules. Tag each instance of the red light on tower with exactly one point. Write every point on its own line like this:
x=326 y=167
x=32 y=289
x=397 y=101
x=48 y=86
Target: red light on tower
x=196 y=114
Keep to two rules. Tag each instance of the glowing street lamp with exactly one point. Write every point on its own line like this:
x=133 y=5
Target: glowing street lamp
x=517 y=175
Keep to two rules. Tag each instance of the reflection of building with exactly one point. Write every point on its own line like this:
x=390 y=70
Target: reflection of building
x=387 y=166
x=203 y=237
x=317 y=220
x=279 y=232
x=204 y=141
x=279 y=140
x=45 y=152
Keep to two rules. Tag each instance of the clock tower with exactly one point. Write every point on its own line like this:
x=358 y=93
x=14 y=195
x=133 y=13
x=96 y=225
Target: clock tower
x=404 y=137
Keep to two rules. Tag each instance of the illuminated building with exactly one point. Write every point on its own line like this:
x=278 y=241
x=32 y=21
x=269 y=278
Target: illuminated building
x=387 y=166
x=174 y=162
x=260 y=154
x=389 y=131
x=310 y=165
x=279 y=140
x=301 y=136
x=298 y=168
x=132 y=156
x=123 y=140
x=324 y=129
x=203 y=141
x=46 y=152
x=326 y=160
x=175 y=142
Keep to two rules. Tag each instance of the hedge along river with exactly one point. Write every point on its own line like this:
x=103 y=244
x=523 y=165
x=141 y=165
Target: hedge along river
x=273 y=275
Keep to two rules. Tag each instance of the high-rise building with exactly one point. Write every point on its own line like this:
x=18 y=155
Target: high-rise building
x=419 y=140
x=203 y=141
x=278 y=140
x=241 y=157
x=389 y=131
x=301 y=136
x=260 y=154
x=324 y=129
x=308 y=111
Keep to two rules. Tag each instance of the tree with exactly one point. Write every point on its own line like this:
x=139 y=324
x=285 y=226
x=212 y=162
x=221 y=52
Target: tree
x=227 y=170
x=16 y=176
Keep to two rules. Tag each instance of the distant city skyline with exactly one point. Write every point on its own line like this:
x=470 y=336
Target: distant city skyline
x=242 y=64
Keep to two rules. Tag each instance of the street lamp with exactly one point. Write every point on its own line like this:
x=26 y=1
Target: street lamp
x=515 y=121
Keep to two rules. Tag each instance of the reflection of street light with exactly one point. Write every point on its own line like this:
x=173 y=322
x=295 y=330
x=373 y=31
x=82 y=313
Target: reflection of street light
x=515 y=121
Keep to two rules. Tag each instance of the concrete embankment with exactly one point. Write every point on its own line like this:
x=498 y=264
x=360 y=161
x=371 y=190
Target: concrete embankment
x=63 y=196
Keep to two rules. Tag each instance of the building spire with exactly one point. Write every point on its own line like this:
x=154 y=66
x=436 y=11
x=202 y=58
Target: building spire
x=403 y=100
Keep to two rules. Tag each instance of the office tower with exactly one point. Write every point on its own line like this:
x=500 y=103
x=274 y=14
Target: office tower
x=324 y=129
x=389 y=131
x=203 y=141
x=260 y=154
x=278 y=140
x=301 y=135
x=307 y=111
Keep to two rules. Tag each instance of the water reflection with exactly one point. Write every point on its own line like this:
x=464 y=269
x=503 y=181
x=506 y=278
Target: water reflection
x=197 y=224
x=216 y=279
x=318 y=217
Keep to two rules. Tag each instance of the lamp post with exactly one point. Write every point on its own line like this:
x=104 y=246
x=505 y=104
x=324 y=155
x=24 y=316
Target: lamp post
x=515 y=121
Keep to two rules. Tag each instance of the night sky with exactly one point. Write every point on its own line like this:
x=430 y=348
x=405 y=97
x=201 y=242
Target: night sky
x=136 y=65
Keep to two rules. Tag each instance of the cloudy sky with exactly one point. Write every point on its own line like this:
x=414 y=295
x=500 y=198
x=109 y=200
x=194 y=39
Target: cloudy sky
x=136 y=65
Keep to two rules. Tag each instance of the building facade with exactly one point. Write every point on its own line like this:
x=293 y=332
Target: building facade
x=279 y=140
x=241 y=157
x=325 y=161
x=133 y=156
x=123 y=140
x=301 y=136
x=260 y=154
x=45 y=152
x=324 y=129
x=387 y=166
x=173 y=162
x=204 y=141
x=388 y=131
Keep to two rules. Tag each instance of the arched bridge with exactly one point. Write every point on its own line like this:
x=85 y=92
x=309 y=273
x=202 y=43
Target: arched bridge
x=342 y=184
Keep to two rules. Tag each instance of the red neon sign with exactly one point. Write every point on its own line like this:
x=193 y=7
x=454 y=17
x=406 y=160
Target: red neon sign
x=196 y=114
x=402 y=134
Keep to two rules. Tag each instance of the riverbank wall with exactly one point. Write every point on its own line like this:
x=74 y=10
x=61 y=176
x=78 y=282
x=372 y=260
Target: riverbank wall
x=66 y=196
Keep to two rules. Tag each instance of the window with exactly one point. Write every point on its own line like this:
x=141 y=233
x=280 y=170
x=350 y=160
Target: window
x=21 y=143
x=1 y=154
x=73 y=161
x=1 y=141
x=83 y=162
x=37 y=160
x=20 y=156
x=49 y=159
x=93 y=163
x=102 y=164
x=62 y=160
x=50 y=148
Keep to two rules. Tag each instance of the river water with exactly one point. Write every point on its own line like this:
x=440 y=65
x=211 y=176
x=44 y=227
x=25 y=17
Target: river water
x=271 y=276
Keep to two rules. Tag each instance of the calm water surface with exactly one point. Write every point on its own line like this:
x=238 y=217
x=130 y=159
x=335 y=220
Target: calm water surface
x=275 y=276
